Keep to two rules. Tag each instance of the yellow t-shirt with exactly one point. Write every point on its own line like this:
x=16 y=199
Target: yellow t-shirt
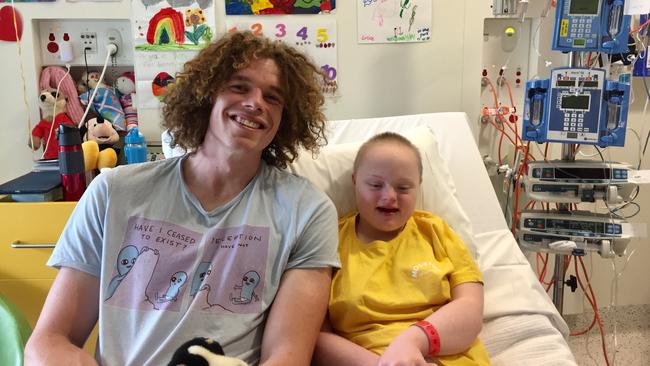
x=384 y=287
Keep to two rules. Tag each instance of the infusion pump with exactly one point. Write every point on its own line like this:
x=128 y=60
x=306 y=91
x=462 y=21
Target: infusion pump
x=573 y=232
x=578 y=181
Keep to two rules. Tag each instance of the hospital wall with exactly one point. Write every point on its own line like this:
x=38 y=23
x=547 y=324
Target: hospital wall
x=440 y=75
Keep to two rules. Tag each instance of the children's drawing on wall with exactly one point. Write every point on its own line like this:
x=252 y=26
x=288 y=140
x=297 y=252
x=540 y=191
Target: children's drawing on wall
x=317 y=38
x=279 y=7
x=393 y=21
x=166 y=34
x=155 y=72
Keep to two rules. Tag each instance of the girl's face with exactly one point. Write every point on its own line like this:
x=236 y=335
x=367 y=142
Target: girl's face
x=386 y=184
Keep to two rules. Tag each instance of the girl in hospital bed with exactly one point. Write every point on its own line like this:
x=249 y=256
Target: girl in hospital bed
x=408 y=291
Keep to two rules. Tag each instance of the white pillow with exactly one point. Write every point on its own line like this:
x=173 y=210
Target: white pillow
x=331 y=171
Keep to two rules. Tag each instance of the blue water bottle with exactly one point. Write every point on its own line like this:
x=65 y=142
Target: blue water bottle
x=135 y=148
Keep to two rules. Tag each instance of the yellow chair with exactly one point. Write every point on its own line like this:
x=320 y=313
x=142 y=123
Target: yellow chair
x=15 y=331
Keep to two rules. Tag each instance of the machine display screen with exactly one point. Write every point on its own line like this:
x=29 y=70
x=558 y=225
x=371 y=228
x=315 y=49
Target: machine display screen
x=583 y=7
x=588 y=84
x=572 y=225
x=566 y=83
x=582 y=173
x=575 y=101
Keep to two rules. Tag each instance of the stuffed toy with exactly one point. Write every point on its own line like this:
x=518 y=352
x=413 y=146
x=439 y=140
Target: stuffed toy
x=45 y=130
x=125 y=84
x=99 y=136
x=202 y=352
x=105 y=101
x=87 y=78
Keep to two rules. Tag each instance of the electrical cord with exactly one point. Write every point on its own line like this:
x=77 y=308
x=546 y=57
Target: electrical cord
x=109 y=53
x=56 y=97
x=19 y=48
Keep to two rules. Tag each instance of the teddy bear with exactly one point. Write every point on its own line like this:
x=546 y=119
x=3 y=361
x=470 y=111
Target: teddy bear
x=105 y=101
x=49 y=103
x=125 y=85
x=202 y=351
x=99 y=136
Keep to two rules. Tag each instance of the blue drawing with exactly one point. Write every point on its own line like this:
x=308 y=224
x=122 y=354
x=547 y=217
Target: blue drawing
x=200 y=276
x=125 y=261
x=175 y=284
x=249 y=282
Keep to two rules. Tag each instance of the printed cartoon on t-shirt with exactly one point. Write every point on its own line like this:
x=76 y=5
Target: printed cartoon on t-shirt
x=239 y=256
x=158 y=268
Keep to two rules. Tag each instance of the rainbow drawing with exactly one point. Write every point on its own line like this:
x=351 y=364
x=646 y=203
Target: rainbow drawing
x=166 y=27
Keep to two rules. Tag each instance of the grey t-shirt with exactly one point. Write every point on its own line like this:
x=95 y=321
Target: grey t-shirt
x=170 y=271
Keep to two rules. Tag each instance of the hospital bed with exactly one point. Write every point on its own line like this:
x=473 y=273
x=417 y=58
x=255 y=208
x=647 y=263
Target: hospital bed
x=521 y=325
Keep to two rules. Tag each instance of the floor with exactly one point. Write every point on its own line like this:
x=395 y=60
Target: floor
x=632 y=337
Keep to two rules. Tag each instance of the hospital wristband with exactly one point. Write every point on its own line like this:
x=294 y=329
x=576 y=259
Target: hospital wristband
x=432 y=336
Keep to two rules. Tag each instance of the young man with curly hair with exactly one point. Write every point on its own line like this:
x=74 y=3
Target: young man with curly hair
x=217 y=243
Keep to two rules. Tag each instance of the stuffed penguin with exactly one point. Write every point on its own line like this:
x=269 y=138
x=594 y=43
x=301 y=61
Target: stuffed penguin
x=202 y=352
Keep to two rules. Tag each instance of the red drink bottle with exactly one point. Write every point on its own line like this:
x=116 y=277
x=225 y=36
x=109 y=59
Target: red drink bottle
x=71 y=163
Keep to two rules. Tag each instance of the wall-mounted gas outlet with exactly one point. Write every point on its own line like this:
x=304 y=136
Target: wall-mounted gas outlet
x=91 y=35
x=88 y=42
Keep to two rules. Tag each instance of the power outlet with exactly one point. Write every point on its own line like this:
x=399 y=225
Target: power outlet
x=115 y=38
x=89 y=42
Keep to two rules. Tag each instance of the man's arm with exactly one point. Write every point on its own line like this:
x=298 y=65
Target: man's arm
x=67 y=318
x=295 y=317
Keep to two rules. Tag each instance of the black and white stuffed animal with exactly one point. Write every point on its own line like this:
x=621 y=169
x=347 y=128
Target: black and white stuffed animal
x=202 y=351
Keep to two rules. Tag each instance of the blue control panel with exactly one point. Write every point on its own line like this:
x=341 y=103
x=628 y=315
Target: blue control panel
x=591 y=25
x=576 y=105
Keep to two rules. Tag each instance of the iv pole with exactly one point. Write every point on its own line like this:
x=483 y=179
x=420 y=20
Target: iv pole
x=560 y=262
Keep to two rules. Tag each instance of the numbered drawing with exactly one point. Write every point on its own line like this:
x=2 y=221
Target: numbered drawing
x=318 y=39
x=279 y=7
x=393 y=21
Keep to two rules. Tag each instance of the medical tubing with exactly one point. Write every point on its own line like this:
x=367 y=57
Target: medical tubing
x=101 y=78
x=595 y=306
x=613 y=296
x=596 y=315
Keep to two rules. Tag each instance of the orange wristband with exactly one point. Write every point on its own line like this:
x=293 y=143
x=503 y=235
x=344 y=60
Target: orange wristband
x=432 y=335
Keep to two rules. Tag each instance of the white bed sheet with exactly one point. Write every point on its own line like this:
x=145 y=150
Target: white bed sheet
x=521 y=324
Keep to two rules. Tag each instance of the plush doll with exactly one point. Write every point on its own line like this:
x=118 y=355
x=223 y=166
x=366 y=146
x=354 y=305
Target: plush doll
x=202 y=352
x=99 y=136
x=87 y=78
x=125 y=84
x=105 y=101
x=45 y=131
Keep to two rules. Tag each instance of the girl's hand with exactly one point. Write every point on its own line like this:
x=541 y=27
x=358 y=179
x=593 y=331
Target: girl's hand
x=406 y=350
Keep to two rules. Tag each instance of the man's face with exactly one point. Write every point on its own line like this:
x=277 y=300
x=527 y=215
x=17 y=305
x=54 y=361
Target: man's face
x=247 y=111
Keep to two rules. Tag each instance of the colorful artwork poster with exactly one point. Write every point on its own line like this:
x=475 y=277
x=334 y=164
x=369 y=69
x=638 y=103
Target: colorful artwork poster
x=316 y=38
x=166 y=34
x=155 y=72
x=393 y=21
x=279 y=7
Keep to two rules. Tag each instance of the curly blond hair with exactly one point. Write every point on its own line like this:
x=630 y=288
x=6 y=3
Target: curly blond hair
x=189 y=101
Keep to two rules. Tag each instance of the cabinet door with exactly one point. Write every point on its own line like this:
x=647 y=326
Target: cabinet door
x=25 y=279
x=25 y=224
